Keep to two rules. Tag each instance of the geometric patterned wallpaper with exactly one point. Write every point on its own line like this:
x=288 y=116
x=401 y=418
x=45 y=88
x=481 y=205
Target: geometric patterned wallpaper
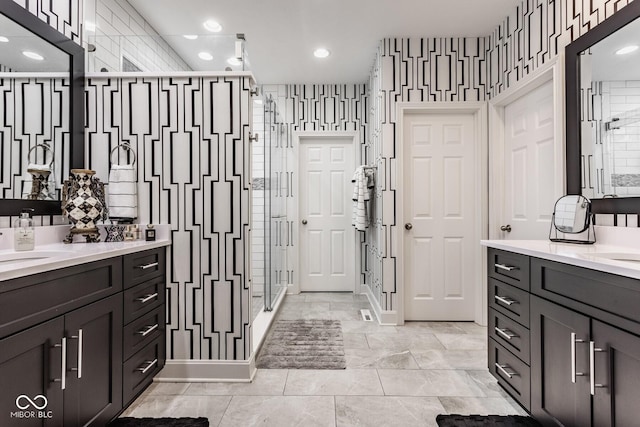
x=191 y=136
x=460 y=69
x=65 y=16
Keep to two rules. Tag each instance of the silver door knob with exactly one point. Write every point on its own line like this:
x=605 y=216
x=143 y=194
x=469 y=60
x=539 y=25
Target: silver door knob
x=408 y=226
x=506 y=228
x=304 y=222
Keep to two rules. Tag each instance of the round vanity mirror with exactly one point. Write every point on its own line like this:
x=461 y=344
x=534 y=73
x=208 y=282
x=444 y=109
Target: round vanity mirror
x=571 y=215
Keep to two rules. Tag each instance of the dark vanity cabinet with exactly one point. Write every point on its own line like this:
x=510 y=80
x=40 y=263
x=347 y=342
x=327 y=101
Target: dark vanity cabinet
x=65 y=340
x=584 y=346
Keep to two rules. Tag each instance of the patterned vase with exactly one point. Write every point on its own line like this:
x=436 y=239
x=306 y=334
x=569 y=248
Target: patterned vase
x=40 y=185
x=83 y=202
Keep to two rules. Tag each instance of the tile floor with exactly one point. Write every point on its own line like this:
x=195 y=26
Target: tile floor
x=395 y=376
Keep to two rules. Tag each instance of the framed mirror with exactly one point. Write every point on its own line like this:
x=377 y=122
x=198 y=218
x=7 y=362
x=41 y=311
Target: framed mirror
x=572 y=216
x=41 y=110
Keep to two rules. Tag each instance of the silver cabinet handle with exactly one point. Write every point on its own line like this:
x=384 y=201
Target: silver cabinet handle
x=574 y=374
x=506 y=267
x=79 y=368
x=147 y=298
x=145 y=266
x=503 y=369
x=149 y=365
x=147 y=331
x=63 y=377
x=592 y=367
x=506 y=301
x=506 y=333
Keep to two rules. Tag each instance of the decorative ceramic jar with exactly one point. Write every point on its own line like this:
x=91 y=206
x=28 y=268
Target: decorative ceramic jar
x=40 y=185
x=83 y=201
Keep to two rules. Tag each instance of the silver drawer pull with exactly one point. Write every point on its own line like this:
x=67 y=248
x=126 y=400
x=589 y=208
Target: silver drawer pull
x=507 y=301
x=63 y=377
x=506 y=267
x=145 y=266
x=573 y=342
x=149 y=366
x=147 y=331
x=147 y=298
x=592 y=367
x=503 y=369
x=506 y=333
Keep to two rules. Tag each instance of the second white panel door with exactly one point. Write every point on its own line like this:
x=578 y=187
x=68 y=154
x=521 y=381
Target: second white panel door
x=440 y=235
x=327 y=238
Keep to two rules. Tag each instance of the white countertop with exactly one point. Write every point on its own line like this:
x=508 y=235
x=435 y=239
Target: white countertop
x=574 y=254
x=61 y=255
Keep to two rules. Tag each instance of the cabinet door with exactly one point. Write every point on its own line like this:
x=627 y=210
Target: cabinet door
x=555 y=398
x=617 y=376
x=30 y=364
x=94 y=363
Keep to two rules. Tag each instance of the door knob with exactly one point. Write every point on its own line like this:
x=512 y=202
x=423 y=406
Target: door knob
x=304 y=222
x=506 y=228
x=408 y=226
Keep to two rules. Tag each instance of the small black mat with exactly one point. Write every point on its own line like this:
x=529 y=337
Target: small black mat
x=159 y=422
x=486 y=420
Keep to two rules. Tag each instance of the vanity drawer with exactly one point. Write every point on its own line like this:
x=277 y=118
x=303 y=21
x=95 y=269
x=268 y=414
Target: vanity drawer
x=143 y=298
x=588 y=291
x=138 y=371
x=512 y=373
x=509 y=267
x=510 y=334
x=142 y=331
x=142 y=266
x=509 y=300
x=32 y=299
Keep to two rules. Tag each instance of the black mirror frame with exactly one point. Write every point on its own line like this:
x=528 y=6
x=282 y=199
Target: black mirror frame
x=623 y=205
x=15 y=12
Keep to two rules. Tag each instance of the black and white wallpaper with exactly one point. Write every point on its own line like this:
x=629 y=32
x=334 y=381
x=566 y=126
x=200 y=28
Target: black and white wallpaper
x=191 y=136
x=65 y=16
x=457 y=69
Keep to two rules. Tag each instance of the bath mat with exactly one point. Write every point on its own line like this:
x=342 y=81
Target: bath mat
x=485 y=421
x=159 y=422
x=303 y=344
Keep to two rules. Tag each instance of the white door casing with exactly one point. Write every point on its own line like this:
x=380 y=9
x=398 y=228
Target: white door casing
x=327 y=241
x=443 y=197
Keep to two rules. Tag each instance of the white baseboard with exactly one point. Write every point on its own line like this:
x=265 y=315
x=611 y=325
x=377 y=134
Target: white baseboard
x=385 y=317
x=195 y=371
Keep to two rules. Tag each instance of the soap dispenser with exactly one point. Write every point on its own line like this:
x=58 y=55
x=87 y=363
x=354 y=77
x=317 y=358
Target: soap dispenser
x=23 y=231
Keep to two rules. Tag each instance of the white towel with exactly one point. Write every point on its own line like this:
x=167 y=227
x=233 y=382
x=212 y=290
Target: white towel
x=363 y=179
x=122 y=198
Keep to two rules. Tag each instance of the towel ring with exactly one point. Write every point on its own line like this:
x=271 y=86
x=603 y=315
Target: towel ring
x=124 y=147
x=46 y=148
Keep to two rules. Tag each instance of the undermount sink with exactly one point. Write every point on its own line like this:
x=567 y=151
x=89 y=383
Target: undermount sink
x=12 y=257
x=616 y=256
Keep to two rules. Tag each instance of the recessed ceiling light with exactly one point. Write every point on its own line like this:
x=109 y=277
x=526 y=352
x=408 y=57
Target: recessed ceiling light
x=205 y=56
x=3 y=39
x=33 y=55
x=626 y=49
x=212 y=26
x=190 y=36
x=234 y=61
x=89 y=26
x=321 y=52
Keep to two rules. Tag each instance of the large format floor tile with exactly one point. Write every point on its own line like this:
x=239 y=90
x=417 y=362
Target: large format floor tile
x=395 y=376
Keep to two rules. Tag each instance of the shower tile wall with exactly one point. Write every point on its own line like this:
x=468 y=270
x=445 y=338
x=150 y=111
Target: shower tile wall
x=122 y=32
x=258 y=202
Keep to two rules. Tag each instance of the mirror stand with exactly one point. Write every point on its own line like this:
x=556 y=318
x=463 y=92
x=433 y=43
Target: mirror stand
x=591 y=234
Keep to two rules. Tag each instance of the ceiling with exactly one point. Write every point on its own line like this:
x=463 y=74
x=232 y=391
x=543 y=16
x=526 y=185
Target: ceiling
x=282 y=34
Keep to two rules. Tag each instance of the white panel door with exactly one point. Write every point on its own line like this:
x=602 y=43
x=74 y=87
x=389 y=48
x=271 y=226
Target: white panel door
x=529 y=153
x=327 y=238
x=440 y=234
